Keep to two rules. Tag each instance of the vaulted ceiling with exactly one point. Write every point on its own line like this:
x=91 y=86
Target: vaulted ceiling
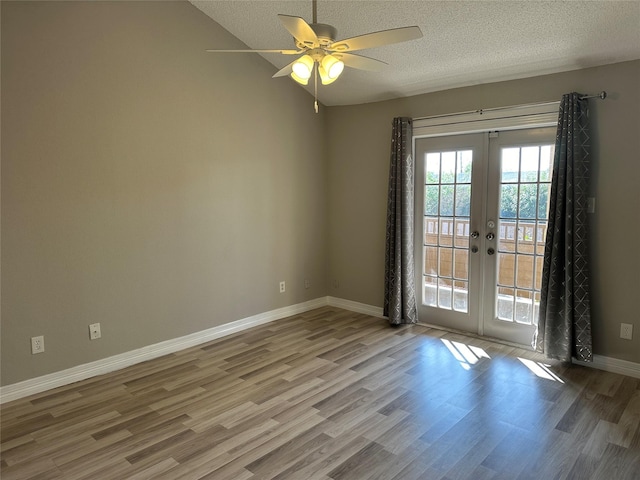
x=465 y=42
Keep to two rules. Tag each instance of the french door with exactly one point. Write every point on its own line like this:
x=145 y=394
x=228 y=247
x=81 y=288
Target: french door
x=481 y=218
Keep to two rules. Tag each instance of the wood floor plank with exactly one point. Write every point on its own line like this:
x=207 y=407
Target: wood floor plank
x=324 y=459
x=362 y=463
x=550 y=459
x=331 y=395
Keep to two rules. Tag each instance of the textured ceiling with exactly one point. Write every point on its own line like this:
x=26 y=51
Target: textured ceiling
x=465 y=42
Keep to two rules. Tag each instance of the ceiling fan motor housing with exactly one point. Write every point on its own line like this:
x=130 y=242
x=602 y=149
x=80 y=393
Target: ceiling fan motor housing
x=326 y=35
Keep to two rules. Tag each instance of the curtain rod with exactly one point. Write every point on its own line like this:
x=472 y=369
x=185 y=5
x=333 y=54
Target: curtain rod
x=602 y=95
x=483 y=110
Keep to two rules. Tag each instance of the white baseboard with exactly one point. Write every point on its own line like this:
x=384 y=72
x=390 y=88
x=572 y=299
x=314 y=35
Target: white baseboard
x=613 y=365
x=99 y=367
x=117 y=362
x=355 y=306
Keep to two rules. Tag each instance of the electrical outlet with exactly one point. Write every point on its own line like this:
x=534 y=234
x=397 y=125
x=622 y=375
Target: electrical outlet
x=307 y=283
x=94 y=331
x=626 y=331
x=37 y=344
x=282 y=287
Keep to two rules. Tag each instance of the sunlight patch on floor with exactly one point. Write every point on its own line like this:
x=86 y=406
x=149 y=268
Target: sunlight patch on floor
x=540 y=369
x=467 y=355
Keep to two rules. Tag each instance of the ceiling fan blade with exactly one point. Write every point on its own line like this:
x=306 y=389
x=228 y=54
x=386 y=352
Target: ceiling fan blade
x=286 y=70
x=300 y=30
x=284 y=52
x=376 y=39
x=361 y=62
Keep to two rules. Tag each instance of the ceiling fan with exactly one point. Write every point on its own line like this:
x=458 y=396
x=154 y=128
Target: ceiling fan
x=316 y=46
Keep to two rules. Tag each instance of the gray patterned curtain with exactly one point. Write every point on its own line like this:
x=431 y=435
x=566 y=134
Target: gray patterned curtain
x=399 y=288
x=564 y=324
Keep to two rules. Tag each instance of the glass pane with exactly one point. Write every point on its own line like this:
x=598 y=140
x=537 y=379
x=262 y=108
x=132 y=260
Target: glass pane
x=446 y=200
x=543 y=201
x=529 y=164
x=506 y=236
x=508 y=201
x=430 y=291
x=463 y=200
x=524 y=271
x=524 y=202
x=510 y=165
x=432 y=173
x=541 y=238
x=447 y=208
x=448 y=167
x=536 y=307
x=431 y=260
x=461 y=264
x=444 y=293
x=539 y=265
x=505 y=303
x=461 y=296
x=430 y=230
x=524 y=307
x=445 y=269
x=546 y=162
x=431 y=199
x=446 y=232
x=528 y=200
x=461 y=232
x=526 y=232
x=465 y=160
x=506 y=269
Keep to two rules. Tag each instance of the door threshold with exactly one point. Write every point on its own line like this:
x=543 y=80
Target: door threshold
x=475 y=335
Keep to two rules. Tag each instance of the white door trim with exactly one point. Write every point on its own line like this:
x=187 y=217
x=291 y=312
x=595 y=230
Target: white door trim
x=503 y=118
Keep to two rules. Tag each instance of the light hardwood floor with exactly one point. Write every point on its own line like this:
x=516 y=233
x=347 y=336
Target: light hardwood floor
x=332 y=394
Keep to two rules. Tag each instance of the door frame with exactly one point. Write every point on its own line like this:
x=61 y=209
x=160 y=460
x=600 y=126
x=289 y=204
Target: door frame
x=478 y=121
x=487 y=120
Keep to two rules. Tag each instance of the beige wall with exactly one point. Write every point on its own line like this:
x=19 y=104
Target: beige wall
x=358 y=169
x=146 y=184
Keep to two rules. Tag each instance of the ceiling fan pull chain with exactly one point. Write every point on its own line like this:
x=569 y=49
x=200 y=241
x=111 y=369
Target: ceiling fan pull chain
x=315 y=103
x=314 y=7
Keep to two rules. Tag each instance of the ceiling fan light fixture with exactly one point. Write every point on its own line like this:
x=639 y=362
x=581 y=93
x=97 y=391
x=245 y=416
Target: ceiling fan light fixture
x=302 y=68
x=332 y=66
x=324 y=76
x=301 y=81
x=330 y=69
